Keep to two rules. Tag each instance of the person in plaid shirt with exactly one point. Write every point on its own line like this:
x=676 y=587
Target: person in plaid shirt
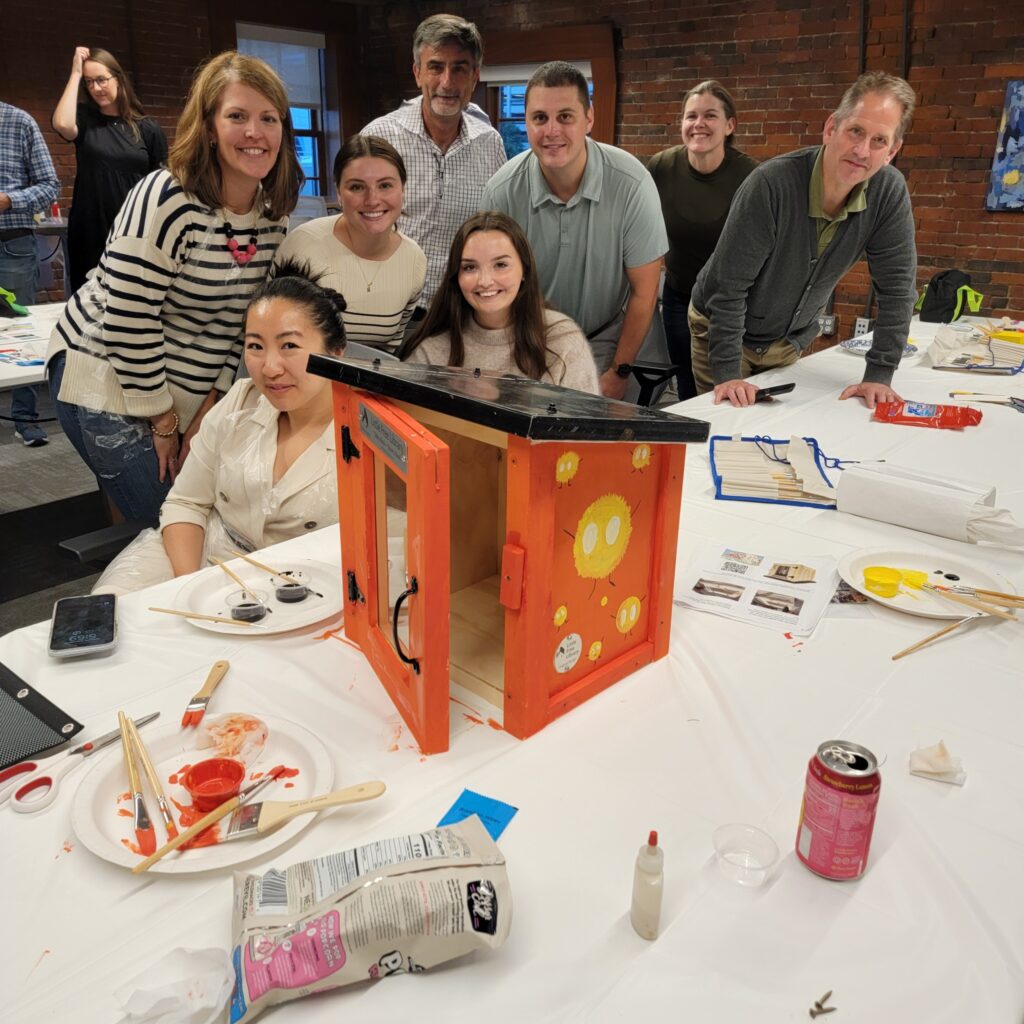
x=28 y=183
x=449 y=156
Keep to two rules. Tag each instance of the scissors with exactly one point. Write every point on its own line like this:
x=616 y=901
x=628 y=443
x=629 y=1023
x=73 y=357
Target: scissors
x=47 y=777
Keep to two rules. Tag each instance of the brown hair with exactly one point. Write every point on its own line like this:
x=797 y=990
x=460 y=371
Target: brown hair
x=358 y=146
x=193 y=161
x=129 y=109
x=558 y=73
x=889 y=85
x=450 y=312
x=719 y=91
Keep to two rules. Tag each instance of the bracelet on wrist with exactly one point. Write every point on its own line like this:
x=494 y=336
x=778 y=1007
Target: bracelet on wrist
x=165 y=433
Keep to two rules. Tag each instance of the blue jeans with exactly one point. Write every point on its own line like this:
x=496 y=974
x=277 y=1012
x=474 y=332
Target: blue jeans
x=118 y=449
x=19 y=273
x=677 y=334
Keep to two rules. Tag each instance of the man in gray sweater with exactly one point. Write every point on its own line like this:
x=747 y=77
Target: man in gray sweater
x=796 y=226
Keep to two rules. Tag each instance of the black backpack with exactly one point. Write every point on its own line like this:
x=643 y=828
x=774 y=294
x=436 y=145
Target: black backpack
x=945 y=296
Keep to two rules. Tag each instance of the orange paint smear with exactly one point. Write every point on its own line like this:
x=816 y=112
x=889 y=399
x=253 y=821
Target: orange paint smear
x=188 y=815
x=455 y=700
x=395 y=737
x=232 y=733
x=472 y=718
x=495 y=725
x=335 y=634
x=134 y=847
x=125 y=813
x=289 y=785
x=44 y=953
x=121 y=797
x=281 y=772
x=176 y=776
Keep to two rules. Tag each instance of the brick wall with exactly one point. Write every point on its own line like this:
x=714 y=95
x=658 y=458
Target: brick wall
x=787 y=63
x=159 y=44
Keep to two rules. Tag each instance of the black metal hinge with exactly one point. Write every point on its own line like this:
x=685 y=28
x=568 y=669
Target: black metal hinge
x=354 y=593
x=348 y=449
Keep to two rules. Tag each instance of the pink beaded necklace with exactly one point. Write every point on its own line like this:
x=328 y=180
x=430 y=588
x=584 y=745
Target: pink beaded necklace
x=238 y=254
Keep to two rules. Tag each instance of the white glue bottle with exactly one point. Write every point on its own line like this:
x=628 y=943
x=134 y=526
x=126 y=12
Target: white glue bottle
x=648 y=884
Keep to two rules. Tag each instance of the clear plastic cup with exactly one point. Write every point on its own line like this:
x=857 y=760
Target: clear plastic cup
x=248 y=605
x=746 y=854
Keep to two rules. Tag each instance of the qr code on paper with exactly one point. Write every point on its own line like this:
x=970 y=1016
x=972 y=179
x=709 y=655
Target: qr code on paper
x=735 y=567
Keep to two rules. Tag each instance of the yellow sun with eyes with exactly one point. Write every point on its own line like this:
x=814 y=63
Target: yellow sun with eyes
x=595 y=650
x=566 y=468
x=641 y=456
x=602 y=536
x=561 y=614
x=627 y=615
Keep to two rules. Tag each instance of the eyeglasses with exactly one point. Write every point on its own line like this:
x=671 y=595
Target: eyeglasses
x=97 y=83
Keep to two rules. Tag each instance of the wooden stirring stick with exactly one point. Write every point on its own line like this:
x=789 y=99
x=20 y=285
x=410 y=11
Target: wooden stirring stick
x=238 y=579
x=934 y=636
x=260 y=565
x=205 y=618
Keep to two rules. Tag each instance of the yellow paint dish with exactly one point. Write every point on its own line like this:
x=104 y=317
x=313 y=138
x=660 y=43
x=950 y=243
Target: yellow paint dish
x=886 y=581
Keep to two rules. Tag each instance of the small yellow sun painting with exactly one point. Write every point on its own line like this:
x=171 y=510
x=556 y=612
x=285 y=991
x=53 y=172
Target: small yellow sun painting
x=561 y=614
x=595 y=650
x=641 y=456
x=627 y=615
x=604 y=600
x=602 y=536
x=566 y=467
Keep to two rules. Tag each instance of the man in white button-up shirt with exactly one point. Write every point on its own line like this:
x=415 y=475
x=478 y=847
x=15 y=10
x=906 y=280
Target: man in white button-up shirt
x=449 y=156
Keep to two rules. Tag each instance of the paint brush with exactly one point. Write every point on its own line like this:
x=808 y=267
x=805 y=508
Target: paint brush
x=257 y=819
x=154 y=782
x=145 y=833
x=205 y=822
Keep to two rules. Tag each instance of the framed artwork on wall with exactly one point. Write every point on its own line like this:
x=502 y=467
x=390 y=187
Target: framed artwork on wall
x=1006 y=189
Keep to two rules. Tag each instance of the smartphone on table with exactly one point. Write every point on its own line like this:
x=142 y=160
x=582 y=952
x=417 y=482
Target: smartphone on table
x=83 y=625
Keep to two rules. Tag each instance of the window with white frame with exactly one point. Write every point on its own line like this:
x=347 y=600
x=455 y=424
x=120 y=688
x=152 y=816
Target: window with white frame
x=506 y=100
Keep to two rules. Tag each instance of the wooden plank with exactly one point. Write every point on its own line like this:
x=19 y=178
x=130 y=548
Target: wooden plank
x=478 y=640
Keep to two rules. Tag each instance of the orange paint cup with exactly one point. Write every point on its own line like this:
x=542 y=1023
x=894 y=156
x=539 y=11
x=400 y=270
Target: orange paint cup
x=213 y=781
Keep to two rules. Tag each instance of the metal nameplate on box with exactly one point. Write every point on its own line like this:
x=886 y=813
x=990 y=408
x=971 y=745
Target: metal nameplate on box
x=383 y=437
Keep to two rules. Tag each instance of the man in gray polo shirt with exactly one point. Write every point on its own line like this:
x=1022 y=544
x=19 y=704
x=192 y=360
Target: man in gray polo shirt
x=796 y=226
x=593 y=218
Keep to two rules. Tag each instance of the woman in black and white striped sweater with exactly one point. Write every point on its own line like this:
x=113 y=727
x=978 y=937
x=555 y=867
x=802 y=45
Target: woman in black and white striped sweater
x=144 y=349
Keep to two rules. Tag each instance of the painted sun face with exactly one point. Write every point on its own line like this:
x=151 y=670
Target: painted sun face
x=628 y=615
x=561 y=614
x=566 y=468
x=595 y=650
x=641 y=456
x=602 y=536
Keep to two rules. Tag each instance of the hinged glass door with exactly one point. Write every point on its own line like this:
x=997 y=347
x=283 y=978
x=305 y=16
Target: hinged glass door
x=393 y=483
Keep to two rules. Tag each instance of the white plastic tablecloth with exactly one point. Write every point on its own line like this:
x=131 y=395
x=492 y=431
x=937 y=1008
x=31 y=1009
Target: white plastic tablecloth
x=719 y=731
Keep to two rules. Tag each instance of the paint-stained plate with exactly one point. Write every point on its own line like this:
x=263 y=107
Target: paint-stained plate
x=941 y=570
x=207 y=593
x=108 y=833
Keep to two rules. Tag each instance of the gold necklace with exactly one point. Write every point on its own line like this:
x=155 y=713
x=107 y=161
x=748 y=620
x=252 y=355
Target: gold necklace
x=359 y=259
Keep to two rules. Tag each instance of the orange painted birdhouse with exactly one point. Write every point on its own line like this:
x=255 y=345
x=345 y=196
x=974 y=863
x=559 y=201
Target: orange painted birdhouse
x=513 y=536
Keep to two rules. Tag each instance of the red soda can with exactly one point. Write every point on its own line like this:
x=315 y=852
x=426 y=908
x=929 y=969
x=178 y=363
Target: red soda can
x=837 y=815
x=55 y=210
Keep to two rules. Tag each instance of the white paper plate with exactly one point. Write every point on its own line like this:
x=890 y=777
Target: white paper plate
x=920 y=602
x=861 y=345
x=101 y=829
x=207 y=592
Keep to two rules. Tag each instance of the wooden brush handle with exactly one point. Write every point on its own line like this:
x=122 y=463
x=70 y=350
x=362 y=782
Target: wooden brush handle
x=129 y=752
x=932 y=636
x=970 y=602
x=147 y=763
x=215 y=676
x=273 y=812
x=198 y=615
